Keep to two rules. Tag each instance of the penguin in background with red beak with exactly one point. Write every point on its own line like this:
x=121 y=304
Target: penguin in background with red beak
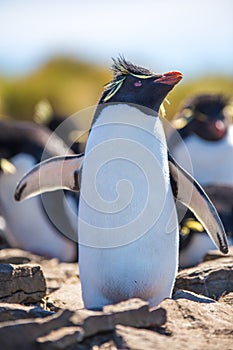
x=203 y=145
x=204 y=125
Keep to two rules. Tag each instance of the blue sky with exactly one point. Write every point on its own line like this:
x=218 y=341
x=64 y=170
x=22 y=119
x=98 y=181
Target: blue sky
x=195 y=36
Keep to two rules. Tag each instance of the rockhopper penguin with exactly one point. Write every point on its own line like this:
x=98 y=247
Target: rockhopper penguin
x=204 y=126
x=128 y=228
x=203 y=144
x=35 y=225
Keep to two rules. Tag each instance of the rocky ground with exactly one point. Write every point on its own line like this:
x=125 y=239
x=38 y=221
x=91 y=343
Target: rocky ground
x=41 y=308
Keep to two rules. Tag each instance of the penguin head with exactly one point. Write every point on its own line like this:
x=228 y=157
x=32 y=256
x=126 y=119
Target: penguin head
x=206 y=115
x=68 y=129
x=139 y=86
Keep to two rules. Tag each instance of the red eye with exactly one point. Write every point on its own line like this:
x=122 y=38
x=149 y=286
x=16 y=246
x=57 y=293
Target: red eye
x=138 y=83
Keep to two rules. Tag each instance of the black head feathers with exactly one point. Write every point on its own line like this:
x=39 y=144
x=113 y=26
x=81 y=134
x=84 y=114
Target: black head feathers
x=206 y=103
x=121 y=68
x=203 y=107
x=136 y=85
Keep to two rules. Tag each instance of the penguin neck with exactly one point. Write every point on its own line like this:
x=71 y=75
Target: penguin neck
x=129 y=114
x=127 y=122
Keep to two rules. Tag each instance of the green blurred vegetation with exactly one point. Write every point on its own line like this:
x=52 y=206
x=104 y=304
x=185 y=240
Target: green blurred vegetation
x=69 y=86
x=72 y=85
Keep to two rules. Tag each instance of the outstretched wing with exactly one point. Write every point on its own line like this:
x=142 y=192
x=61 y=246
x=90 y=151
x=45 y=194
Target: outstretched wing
x=50 y=175
x=188 y=191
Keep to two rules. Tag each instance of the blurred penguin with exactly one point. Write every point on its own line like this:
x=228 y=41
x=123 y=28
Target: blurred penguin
x=204 y=126
x=44 y=225
x=194 y=241
x=68 y=129
x=205 y=133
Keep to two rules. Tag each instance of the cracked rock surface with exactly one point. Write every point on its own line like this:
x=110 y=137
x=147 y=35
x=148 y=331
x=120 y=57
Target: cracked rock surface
x=41 y=308
x=21 y=283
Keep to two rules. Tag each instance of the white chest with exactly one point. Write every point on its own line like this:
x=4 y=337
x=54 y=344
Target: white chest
x=125 y=177
x=211 y=161
x=127 y=224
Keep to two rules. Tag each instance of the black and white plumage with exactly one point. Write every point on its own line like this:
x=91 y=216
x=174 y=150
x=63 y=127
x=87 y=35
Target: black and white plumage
x=68 y=128
x=128 y=228
x=194 y=241
x=35 y=225
x=204 y=131
x=203 y=144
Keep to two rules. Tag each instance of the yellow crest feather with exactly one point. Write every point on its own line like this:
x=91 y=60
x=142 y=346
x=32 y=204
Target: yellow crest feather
x=7 y=167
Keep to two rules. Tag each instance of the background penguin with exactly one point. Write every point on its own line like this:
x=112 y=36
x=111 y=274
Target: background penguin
x=69 y=129
x=36 y=225
x=128 y=229
x=204 y=126
x=194 y=241
x=206 y=134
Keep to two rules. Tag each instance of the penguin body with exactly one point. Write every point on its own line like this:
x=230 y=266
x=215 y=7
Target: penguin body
x=133 y=220
x=199 y=244
x=221 y=196
x=210 y=160
x=194 y=241
x=68 y=129
x=127 y=221
x=30 y=226
x=203 y=145
x=208 y=138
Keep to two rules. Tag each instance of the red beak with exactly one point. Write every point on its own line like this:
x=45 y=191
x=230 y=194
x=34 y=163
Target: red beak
x=170 y=78
x=217 y=128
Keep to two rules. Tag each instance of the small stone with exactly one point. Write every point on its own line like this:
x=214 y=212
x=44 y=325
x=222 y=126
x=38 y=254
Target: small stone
x=60 y=338
x=11 y=312
x=136 y=313
x=17 y=256
x=22 y=334
x=21 y=283
x=68 y=296
x=139 y=339
x=210 y=278
x=184 y=294
x=227 y=298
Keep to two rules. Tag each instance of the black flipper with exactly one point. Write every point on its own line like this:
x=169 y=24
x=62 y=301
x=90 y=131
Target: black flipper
x=188 y=191
x=50 y=175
